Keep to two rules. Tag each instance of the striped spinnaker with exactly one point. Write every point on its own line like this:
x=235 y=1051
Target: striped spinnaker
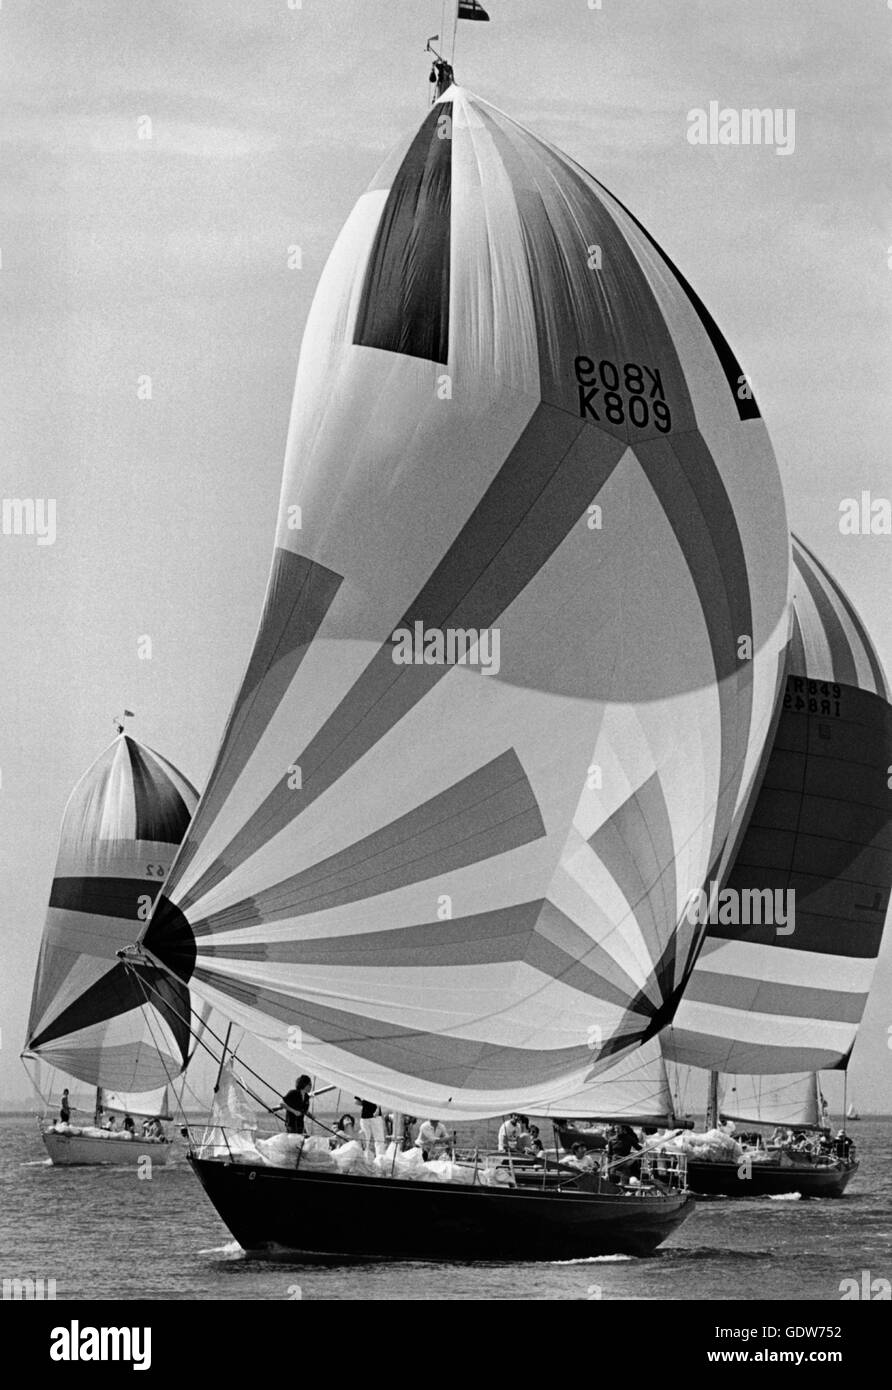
x=121 y=825
x=760 y=1001
x=455 y=889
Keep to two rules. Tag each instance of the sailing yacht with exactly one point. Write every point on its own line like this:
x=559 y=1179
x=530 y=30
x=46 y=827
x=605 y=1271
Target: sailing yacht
x=455 y=885
x=125 y=1033
x=765 y=1004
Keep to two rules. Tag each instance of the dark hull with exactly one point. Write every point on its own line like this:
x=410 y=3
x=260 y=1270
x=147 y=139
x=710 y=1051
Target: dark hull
x=274 y=1210
x=768 y=1179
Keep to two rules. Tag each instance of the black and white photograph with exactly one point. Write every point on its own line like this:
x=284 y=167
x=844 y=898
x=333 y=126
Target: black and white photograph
x=446 y=725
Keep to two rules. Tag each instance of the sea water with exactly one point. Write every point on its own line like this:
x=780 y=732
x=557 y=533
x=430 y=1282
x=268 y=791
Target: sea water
x=106 y=1233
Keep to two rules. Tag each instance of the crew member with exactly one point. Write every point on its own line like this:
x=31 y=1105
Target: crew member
x=433 y=1139
x=295 y=1104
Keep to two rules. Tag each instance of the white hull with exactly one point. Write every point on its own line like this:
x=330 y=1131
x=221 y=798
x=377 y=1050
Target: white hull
x=72 y=1150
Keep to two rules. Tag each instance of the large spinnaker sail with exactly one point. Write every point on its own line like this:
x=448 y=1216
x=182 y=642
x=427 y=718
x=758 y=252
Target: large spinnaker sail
x=121 y=825
x=763 y=1000
x=774 y=1100
x=437 y=883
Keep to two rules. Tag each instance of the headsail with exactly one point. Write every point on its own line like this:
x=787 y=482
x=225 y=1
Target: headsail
x=763 y=1001
x=774 y=1100
x=142 y=1103
x=456 y=884
x=635 y=1089
x=119 y=830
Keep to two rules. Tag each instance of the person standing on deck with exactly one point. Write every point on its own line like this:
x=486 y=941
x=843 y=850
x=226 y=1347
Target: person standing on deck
x=65 y=1108
x=295 y=1104
x=371 y=1125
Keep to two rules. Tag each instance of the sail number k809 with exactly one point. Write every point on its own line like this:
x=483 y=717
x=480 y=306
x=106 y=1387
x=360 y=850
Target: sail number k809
x=629 y=393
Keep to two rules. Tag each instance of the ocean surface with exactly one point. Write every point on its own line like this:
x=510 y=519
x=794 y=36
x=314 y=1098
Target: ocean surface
x=102 y=1233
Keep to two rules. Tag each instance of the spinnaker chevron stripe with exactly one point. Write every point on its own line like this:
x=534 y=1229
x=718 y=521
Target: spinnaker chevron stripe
x=405 y=298
x=746 y=1055
x=165 y=770
x=844 y=669
x=746 y=406
x=433 y=1057
x=486 y=814
x=161 y=813
x=104 y=897
x=802 y=557
x=116 y=993
x=700 y=513
x=542 y=490
x=734 y=992
x=513 y=933
x=299 y=594
x=575 y=314
x=635 y=845
x=796 y=659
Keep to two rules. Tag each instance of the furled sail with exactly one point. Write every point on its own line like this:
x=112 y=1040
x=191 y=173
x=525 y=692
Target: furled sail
x=764 y=999
x=519 y=653
x=119 y=830
x=774 y=1100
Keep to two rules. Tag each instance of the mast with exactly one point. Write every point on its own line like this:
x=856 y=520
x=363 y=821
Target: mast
x=712 y=1101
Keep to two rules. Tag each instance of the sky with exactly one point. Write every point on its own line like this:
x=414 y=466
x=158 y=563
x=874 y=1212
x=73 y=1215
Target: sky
x=160 y=162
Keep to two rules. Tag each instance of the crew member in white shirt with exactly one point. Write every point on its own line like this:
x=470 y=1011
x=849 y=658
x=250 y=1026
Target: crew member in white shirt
x=509 y=1135
x=433 y=1139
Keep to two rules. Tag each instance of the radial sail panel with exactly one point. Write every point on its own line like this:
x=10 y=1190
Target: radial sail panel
x=769 y=997
x=436 y=876
x=119 y=831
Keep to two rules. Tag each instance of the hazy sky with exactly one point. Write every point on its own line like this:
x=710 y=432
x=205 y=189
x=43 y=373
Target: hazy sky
x=168 y=257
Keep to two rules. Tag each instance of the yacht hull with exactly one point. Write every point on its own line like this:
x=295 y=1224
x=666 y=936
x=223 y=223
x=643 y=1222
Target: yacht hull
x=769 y=1179
x=334 y=1216
x=78 y=1150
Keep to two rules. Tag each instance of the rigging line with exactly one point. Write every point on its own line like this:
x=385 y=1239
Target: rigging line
x=144 y=985
x=33 y=1079
x=199 y=1042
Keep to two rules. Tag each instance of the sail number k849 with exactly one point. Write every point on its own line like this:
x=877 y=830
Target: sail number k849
x=629 y=393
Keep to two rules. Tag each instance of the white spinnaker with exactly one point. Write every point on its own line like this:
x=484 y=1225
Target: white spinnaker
x=432 y=883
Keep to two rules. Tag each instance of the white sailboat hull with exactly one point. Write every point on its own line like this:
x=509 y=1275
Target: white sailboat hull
x=74 y=1150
